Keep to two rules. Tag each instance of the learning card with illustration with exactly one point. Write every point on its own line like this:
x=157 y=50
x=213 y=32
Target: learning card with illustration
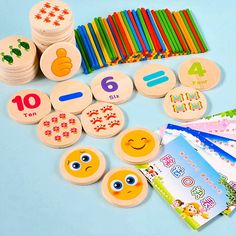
x=216 y=156
x=223 y=124
x=188 y=183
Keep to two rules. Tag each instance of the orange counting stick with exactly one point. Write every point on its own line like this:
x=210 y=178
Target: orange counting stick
x=185 y=32
x=112 y=39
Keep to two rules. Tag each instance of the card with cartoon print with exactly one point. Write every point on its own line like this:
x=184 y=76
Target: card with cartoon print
x=189 y=184
x=218 y=157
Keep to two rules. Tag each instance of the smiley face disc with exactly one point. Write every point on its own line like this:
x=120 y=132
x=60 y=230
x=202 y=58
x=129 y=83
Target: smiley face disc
x=83 y=165
x=137 y=146
x=124 y=187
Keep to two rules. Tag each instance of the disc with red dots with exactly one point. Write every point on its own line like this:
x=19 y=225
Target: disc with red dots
x=59 y=129
x=60 y=61
x=112 y=86
x=83 y=165
x=124 y=187
x=29 y=106
x=50 y=17
x=102 y=120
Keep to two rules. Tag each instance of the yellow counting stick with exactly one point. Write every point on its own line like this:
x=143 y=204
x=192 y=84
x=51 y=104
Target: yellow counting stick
x=185 y=32
x=112 y=41
x=94 y=46
x=107 y=58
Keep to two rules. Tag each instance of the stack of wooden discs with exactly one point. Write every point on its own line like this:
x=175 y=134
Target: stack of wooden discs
x=19 y=61
x=51 y=22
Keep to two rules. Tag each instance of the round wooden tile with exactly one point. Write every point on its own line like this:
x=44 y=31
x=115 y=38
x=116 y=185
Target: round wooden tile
x=124 y=187
x=112 y=86
x=50 y=17
x=154 y=80
x=102 y=120
x=60 y=61
x=137 y=145
x=199 y=73
x=71 y=96
x=16 y=53
x=59 y=129
x=185 y=104
x=83 y=165
x=29 y=106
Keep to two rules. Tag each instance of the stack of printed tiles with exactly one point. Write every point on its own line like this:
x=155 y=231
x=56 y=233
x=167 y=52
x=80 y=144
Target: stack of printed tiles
x=130 y=36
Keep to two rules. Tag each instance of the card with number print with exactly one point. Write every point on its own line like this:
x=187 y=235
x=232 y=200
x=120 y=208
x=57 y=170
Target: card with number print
x=194 y=189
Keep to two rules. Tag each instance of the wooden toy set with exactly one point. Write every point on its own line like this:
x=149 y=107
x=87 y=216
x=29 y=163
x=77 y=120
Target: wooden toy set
x=182 y=163
x=130 y=36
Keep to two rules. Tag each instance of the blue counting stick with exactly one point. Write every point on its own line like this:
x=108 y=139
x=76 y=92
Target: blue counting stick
x=156 y=78
x=115 y=39
x=97 y=44
x=133 y=31
x=156 y=30
x=86 y=44
x=91 y=47
x=140 y=29
x=70 y=96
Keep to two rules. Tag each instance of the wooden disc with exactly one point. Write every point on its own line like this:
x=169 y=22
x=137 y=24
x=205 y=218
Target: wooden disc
x=112 y=86
x=60 y=61
x=102 y=120
x=50 y=17
x=17 y=53
x=124 y=187
x=71 y=96
x=29 y=106
x=137 y=145
x=83 y=165
x=154 y=80
x=199 y=73
x=59 y=129
x=185 y=104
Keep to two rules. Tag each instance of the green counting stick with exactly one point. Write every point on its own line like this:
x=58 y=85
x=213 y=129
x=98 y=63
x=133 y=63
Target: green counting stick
x=173 y=18
x=145 y=30
x=120 y=35
x=197 y=30
x=190 y=31
x=83 y=51
x=167 y=32
x=103 y=38
x=129 y=30
x=172 y=31
x=112 y=50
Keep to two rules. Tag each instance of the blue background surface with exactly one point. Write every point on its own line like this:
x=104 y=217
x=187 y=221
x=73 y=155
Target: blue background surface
x=36 y=201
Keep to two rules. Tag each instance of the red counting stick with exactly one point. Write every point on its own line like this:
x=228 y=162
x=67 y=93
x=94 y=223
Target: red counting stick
x=168 y=13
x=193 y=30
x=137 y=31
x=119 y=42
x=161 y=31
x=151 y=31
x=123 y=34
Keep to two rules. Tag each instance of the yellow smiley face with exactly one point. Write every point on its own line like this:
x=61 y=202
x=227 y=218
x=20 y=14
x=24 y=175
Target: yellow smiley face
x=138 y=143
x=125 y=185
x=82 y=163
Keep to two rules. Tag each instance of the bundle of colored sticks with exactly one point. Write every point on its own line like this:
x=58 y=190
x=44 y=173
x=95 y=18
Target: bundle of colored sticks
x=130 y=36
